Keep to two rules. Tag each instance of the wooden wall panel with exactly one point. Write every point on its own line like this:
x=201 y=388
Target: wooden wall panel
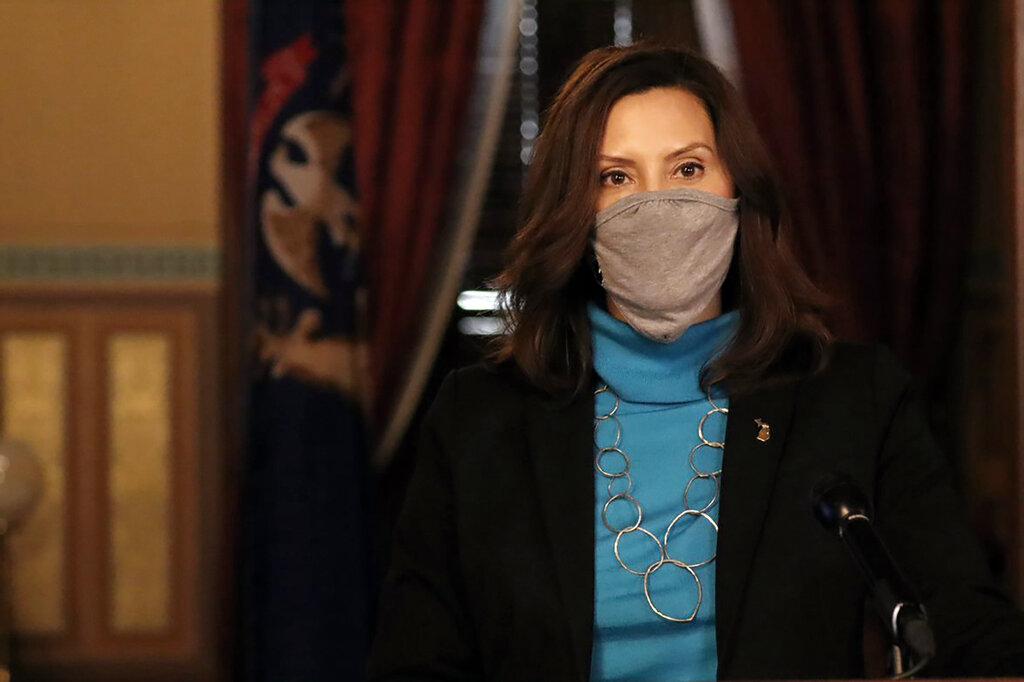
x=34 y=393
x=139 y=476
x=140 y=519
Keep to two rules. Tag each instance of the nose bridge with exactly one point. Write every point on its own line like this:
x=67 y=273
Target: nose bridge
x=653 y=176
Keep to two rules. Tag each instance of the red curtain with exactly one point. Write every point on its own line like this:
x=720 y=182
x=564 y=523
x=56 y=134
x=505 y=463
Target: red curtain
x=865 y=108
x=412 y=65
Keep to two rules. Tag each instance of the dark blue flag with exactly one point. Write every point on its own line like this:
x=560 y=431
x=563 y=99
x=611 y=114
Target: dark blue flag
x=306 y=597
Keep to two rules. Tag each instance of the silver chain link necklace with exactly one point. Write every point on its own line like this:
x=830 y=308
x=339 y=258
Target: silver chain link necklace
x=616 y=477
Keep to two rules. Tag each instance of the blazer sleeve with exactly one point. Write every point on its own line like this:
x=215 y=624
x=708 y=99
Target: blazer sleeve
x=423 y=631
x=923 y=520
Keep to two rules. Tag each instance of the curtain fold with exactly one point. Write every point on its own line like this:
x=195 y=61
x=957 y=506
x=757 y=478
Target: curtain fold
x=865 y=107
x=412 y=63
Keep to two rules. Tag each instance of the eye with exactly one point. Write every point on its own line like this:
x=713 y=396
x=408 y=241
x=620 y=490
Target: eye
x=691 y=169
x=614 y=178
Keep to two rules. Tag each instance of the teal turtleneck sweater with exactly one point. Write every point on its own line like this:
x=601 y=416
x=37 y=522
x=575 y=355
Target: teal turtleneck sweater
x=661 y=403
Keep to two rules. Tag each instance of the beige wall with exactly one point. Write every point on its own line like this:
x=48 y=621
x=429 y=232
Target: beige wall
x=109 y=122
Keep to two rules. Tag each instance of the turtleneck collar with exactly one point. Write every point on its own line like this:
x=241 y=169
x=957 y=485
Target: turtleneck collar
x=641 y=370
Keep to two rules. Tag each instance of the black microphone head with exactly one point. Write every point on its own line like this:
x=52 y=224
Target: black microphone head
x=836 y=497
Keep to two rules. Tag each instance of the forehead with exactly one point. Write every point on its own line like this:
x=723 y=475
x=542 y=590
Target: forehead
x=656 y=119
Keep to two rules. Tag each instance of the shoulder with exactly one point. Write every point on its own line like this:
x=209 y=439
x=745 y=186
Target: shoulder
x=483 y=388
x=874 y=360
x=477 y=410
x=843 y=414
x=867 y=375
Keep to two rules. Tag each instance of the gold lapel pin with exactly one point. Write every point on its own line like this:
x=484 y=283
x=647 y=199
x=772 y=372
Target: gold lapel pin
x=765 y=431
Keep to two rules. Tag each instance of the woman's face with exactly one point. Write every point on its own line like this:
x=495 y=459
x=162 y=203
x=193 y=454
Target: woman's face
x=659 y=139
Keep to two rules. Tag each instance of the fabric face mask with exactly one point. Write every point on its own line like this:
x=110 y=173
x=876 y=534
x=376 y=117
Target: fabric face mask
x=663 y=256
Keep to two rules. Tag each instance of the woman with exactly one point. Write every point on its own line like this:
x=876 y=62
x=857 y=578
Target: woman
x=667 y=374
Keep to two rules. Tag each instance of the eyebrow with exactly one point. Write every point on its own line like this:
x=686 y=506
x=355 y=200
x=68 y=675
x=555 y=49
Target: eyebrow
x=668 y=157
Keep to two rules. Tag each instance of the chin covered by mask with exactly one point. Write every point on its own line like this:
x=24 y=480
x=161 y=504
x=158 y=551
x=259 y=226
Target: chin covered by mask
x=663 y=256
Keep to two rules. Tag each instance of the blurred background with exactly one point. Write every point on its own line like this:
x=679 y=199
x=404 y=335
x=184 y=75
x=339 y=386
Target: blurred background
x=241 y=242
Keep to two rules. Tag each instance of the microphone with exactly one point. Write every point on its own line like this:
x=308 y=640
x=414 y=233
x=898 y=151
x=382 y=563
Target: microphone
x=842 y=508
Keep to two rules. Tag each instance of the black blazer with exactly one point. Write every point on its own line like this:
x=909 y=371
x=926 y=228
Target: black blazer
x=492 y=573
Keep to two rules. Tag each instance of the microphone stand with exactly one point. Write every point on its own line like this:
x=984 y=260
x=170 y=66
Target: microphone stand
x=865 y=546
x=842 y=508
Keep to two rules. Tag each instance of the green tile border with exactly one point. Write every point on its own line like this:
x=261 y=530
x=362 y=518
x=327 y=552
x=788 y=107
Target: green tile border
x=108 y=263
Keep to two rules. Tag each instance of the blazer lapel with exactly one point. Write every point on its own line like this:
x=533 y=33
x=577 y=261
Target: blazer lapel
x=560 y=446
x=749 y=468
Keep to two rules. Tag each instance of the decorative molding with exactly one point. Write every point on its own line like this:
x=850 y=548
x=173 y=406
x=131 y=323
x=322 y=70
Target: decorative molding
x=109 y=263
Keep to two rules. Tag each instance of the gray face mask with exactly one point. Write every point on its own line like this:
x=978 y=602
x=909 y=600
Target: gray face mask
x=663 y=256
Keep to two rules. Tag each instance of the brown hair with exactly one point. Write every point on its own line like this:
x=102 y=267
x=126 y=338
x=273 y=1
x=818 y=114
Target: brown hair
x=548 y=279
